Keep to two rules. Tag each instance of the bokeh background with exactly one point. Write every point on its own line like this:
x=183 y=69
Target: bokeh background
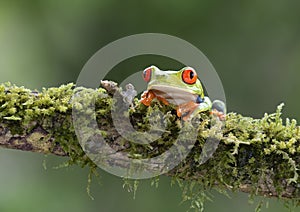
x=254 y=46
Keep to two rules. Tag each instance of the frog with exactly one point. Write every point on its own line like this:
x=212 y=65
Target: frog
x=181 y=88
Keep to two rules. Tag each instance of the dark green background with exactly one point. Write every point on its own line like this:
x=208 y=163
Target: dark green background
x=254 y=46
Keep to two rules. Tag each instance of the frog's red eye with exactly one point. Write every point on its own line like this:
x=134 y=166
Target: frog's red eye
x=189 y=76
x=147 y=74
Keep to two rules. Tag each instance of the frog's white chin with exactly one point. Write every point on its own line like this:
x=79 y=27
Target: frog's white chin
x=173 y=95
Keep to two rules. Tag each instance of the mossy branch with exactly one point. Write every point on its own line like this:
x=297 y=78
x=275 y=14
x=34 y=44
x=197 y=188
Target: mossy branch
x=257 y=156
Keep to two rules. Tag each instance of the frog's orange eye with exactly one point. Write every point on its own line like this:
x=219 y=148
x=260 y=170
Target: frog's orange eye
x=147 y=74
x=189 y=76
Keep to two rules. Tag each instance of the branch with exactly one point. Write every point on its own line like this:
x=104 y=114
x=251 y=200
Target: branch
x=257 y=156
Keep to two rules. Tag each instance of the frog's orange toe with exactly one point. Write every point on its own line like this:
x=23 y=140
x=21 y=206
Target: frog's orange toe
x=178 y=111
x=145 y=102
x=219 y=114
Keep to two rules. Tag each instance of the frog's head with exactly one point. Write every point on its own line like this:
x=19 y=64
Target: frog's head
x=182 y=82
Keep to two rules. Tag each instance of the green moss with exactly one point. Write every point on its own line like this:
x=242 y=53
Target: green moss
x=23 y=110
x=251 y=151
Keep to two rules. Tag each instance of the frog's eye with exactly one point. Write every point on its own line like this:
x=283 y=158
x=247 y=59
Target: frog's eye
x=147 y=74
x=189 y=76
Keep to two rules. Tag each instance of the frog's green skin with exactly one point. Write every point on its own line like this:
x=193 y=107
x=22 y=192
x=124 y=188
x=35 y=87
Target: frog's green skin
x=170 y=87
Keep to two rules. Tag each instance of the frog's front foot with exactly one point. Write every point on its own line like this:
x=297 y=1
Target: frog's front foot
x=189 y=109
x=147 y=97
x=185 y=110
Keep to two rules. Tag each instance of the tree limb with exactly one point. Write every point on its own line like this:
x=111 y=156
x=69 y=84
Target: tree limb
x=257 y=156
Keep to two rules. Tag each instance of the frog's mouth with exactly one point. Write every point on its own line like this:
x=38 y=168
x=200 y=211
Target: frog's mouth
x=173 y=95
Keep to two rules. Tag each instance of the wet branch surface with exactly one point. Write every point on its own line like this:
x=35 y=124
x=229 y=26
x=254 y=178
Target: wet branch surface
x=257 y=156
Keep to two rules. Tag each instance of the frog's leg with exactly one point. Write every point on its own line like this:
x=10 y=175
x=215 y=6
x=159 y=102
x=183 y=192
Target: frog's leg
x=148 y=96
x=163 y=100
x=187 y=110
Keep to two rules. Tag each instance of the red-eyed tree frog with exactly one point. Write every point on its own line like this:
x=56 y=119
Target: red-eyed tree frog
x=180 y=88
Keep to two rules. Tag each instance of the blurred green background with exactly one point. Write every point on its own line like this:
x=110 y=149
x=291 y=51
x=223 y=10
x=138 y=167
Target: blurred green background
x=254 y=46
